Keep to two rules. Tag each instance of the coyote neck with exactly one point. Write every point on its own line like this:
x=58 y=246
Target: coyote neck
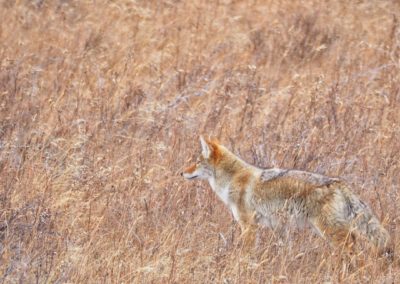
x=229 y=168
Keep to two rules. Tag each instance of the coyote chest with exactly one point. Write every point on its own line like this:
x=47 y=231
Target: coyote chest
x=223 y=193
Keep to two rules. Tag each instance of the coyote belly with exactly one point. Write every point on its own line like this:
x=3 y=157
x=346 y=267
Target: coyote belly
x=262 y=196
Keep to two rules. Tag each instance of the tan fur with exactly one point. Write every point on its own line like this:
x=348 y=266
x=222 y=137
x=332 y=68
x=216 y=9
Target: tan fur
x=261 y=196
x=190 y=169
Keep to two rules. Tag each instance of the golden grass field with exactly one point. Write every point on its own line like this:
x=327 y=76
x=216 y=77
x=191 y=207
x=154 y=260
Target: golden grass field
x=101 y=106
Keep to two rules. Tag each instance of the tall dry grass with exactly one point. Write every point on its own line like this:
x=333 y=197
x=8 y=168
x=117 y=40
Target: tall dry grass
x=102 y=103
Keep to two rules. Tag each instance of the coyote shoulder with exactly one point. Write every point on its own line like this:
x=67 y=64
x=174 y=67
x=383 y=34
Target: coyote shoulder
x=260 y=196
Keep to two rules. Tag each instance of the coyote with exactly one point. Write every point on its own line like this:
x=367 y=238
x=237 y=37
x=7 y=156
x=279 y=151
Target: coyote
x=261 y=196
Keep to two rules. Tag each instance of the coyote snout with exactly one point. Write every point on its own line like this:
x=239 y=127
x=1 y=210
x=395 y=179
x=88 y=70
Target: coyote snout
x=259 y=196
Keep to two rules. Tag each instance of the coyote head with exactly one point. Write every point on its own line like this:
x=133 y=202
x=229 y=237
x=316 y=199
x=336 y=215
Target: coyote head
x=204 y=168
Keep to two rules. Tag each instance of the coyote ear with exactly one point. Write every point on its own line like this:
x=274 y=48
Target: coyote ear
x=206 y=151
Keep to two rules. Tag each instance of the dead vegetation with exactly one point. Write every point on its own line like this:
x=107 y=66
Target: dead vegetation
x=101 y=105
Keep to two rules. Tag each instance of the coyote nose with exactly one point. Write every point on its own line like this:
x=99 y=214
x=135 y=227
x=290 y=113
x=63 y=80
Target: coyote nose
x=181 y=173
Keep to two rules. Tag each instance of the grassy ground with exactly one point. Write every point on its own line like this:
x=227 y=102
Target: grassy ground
x=102 y=103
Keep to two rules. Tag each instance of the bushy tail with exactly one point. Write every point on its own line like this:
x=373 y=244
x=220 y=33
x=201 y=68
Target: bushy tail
x=368 y=225
x=371 y=228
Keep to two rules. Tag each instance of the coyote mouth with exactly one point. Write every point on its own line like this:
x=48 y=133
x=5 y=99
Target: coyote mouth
x=193 y=177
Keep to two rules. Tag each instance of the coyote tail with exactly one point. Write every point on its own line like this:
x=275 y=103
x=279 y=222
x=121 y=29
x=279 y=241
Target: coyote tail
x=366 y=223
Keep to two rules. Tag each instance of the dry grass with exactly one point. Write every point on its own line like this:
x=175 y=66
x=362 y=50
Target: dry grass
x=102 y=103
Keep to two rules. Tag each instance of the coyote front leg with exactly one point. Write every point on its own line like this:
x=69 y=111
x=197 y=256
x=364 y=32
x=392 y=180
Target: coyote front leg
x=249 y=231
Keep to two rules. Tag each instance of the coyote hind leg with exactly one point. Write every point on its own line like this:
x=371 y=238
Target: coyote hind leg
x=339 y=236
